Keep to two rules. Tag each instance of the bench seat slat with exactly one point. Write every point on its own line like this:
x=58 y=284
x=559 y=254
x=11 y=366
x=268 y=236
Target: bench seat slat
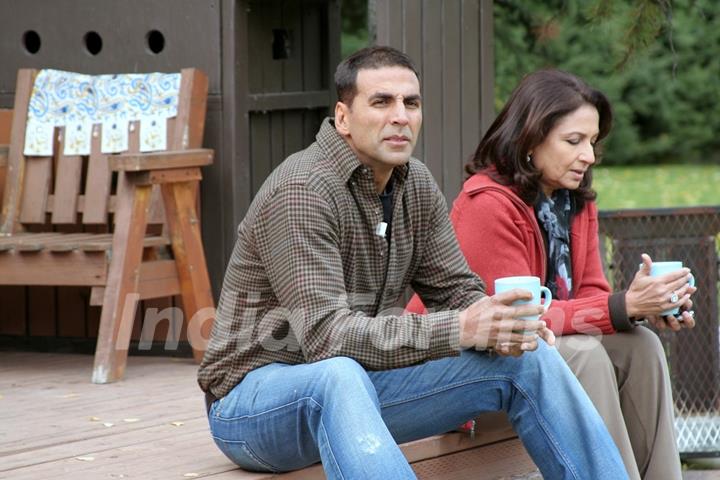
x=106 y=244
x=65 y=242
x=24 y=236
x=70 y=242
x=35 y=244
x=24 y=239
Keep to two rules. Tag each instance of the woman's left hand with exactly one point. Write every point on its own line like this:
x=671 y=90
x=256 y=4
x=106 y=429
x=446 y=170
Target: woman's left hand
x=686 y=319
x=649 y=295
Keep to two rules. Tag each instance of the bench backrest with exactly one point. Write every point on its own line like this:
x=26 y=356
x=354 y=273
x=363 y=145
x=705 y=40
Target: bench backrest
x=80 y=189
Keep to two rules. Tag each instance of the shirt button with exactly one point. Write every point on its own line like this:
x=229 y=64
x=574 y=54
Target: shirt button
x=382 y=254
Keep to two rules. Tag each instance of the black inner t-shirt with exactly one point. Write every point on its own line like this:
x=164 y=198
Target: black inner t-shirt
x=386 y=198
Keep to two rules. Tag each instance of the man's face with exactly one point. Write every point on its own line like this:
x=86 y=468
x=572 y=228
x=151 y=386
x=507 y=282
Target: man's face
x=383 y=122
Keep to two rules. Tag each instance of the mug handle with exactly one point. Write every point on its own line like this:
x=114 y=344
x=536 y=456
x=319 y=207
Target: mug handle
x=546 y=296
x=692 y=280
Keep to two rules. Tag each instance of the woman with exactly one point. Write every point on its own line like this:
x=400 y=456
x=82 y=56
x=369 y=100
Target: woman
x=528 y=209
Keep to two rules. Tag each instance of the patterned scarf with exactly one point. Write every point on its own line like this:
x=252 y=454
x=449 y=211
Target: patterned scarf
x=553 y=215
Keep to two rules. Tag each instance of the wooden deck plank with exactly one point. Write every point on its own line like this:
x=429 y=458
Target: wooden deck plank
x=55 y=389
x=506 y=459
x=156 y=391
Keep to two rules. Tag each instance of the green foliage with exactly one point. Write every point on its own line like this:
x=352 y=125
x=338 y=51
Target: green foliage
x=352 y=42
x=354 y=15
x=658 y=63
x=656 y=186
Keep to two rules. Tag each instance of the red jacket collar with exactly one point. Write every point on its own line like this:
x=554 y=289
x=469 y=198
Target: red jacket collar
x=481 y=181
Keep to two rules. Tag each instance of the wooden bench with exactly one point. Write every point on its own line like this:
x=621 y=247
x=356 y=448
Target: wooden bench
x=123 y=224
x=494 y=453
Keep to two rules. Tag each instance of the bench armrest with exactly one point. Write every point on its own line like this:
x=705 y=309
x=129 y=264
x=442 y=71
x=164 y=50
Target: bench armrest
x=137 y=162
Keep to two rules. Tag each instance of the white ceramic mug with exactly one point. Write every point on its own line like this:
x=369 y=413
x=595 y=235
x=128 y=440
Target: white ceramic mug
x=526 y=283
x=661 y=268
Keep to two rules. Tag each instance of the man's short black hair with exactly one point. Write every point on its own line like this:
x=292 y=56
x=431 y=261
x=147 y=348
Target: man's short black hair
x=367 y=58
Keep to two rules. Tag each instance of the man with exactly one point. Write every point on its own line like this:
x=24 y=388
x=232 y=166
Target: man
x=308 y=361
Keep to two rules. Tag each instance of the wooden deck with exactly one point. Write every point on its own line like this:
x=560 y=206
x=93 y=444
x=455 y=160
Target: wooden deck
x=55 y=424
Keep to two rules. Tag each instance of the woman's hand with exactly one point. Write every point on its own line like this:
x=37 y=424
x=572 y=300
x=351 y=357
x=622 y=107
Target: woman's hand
x=686 y=319
x=648 y=296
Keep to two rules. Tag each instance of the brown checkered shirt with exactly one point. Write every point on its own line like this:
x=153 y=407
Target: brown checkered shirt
x=309 y=278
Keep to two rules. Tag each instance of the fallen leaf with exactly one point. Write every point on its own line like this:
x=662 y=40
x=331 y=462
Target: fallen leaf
x=70 y=395
x=1 y=397
x=85 y=459
x=131 y=420
x=177 y=424
x=108 y=424
x=94 y=419
x=191 y=475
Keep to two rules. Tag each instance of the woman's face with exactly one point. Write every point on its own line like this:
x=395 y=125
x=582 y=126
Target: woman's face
x=567 y=151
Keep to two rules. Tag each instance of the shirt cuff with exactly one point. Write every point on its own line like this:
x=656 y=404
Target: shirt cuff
x=618 y=312
x=445 y=338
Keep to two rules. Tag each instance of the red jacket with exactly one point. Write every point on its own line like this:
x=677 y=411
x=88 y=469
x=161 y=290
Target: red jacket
x=500 y=237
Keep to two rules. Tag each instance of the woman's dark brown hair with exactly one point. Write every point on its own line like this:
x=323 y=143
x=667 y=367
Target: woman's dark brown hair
x=535 y=106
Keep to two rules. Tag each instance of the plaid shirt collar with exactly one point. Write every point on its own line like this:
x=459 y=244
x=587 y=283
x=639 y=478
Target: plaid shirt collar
x=344 y=160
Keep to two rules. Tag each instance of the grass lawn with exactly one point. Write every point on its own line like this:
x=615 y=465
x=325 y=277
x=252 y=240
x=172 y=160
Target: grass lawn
x=657 y=186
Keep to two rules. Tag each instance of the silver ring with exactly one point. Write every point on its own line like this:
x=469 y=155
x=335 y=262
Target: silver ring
x=674 y=297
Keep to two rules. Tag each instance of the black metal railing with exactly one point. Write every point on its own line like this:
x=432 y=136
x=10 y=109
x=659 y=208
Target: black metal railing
x=691 y=235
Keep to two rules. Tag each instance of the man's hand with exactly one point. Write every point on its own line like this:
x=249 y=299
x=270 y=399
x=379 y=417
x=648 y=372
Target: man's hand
x=493 y=322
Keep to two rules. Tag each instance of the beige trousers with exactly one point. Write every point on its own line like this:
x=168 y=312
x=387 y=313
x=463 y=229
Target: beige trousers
x=626 y=377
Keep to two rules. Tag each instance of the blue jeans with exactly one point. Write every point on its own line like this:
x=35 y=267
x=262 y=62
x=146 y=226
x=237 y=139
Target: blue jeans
x=285 y=417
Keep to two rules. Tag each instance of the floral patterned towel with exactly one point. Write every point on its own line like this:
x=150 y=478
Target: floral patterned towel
x=88 y=105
